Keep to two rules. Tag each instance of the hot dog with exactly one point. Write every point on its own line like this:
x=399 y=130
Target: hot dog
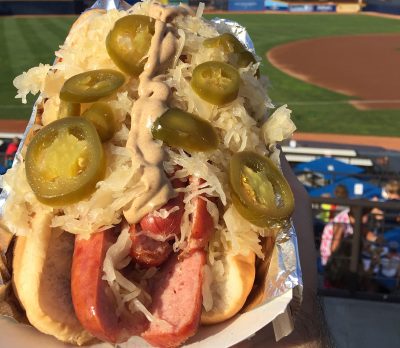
x=179 y=282
x=169 y=212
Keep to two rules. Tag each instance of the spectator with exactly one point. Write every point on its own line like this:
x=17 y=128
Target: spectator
x=10 y=152
x=391 y=263
x=382 y=164
x=342 y=193
x=391 y=193
x=339 y=228
x=337 y=248
x=330 y=210
x=389 y=267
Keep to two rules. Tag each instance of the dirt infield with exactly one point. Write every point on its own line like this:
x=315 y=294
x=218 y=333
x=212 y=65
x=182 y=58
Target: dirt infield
x=388 y=143
x=362 y=66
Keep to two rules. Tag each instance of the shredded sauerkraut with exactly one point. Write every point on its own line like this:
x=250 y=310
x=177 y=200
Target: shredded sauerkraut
x=279 y=126
x=31 y=81
x=237 y=124
x=126 y=292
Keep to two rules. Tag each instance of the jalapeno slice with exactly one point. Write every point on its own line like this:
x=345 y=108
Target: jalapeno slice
x=67 y=109
x=245 y=58
x=64 y=161
x=129 y=41
x=227 y=42
x=181 y=129
x=260 y=192
x=237 y=53
x=102 y=117
x=216 y=82
x=92 y=85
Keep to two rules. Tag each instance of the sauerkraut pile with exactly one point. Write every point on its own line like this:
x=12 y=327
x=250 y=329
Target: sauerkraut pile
x=242 y=124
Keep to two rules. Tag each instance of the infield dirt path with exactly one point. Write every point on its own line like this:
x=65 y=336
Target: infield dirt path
x=388 y=143
x=362 y=66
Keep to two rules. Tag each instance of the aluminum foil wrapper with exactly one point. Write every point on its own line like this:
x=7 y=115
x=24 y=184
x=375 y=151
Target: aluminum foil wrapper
x=228 y=26
x=281 y=272
x=110 y=5
x=284 y=270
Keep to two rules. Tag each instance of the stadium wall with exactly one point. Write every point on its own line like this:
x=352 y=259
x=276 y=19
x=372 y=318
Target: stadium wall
x=40 y=7
x=12 y=7
x=383 y=6
x=36 y=7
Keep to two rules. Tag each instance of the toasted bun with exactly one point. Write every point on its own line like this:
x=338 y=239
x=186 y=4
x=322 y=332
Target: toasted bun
x=42 y=264
x=41 y=279
x=230 y=293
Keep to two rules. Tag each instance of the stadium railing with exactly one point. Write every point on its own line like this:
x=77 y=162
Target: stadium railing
x=360 y=264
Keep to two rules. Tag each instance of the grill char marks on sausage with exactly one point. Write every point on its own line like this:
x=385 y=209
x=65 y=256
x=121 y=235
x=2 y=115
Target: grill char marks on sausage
x=150 y=238
x=147 y=251
x=93 y=300
x=171 y=225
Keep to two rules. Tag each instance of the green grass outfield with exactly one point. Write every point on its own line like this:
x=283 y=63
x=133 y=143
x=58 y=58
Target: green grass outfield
x=26 y=42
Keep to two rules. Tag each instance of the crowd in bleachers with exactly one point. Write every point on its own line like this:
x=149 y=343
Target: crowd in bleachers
x=378 y=264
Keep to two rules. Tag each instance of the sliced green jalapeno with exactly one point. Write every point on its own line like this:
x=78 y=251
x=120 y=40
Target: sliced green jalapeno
x=64 y=161
x=91 y=86
x=260 y=192
x=238 y=55
x=227 y=42
x=102 y=117
x=216 y=82
x=67 y=109
x=181 y=129
x=129 y=41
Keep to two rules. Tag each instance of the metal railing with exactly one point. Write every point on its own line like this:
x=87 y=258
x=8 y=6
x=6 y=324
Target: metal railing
x=363 y=277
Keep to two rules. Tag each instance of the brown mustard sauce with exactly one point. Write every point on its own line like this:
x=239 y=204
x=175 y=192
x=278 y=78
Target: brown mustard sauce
x=152 y=103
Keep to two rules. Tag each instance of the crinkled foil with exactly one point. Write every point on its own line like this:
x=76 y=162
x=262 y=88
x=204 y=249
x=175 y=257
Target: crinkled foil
x=228 y=26
x=110 y=5
x=284 y=271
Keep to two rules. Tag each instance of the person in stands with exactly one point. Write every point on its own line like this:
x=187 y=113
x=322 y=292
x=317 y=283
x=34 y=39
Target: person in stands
x=11 y=151
x=341 y=227
x=334 y=231
x=391 y=192
x=328 y=211
x=389 y=218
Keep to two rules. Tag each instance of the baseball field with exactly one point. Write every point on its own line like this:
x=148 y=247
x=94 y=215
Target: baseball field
x=28 y=41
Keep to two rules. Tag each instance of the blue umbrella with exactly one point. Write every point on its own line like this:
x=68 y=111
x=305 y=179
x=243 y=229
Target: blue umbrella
x=329 y=167
x=368 y=190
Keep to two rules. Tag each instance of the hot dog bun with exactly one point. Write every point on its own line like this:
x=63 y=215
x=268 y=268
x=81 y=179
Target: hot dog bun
x=41 y=279
x=230 y=293
x=42 y=266
x=42 y=274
